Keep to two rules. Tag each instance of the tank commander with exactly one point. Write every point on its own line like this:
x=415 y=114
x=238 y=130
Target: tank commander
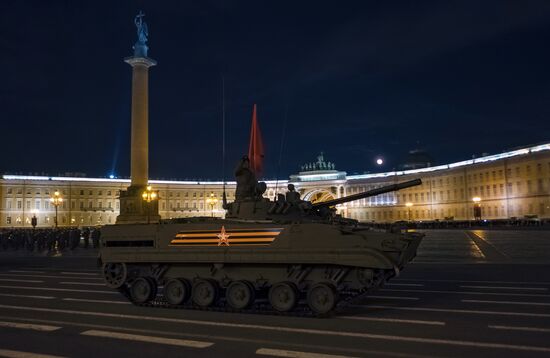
x=246 y=180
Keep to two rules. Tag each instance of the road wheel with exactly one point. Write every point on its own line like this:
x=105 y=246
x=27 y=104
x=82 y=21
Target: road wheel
x=239 y=294
x=115 y=274
x=322 y=298
x=204 y=293
x=283 y=296
x=177 y=291
x=143 y=290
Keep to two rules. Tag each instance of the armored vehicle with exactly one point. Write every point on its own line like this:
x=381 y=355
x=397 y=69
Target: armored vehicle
x=283 y=256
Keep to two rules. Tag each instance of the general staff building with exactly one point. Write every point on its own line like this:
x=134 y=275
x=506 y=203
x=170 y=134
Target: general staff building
x=514 y=184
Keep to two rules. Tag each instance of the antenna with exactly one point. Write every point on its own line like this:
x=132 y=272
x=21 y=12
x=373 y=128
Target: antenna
x=281 y=150
x=224 y=198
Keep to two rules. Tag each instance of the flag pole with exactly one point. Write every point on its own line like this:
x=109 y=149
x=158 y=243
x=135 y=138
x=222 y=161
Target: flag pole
x=224 y=196
x=281 y=150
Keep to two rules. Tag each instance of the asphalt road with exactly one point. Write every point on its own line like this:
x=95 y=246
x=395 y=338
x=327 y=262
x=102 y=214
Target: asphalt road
x=475 y=294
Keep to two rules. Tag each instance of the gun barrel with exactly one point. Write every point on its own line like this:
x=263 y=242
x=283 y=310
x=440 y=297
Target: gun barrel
x=366 y=194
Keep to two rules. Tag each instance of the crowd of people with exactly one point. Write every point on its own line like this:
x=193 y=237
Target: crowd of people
x=512 y=223
x=50 y=239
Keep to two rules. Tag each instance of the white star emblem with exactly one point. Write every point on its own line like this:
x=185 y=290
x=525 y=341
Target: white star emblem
x=223 y=237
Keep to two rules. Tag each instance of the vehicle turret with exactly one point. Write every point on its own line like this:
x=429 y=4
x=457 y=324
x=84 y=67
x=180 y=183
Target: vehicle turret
x=250 y=204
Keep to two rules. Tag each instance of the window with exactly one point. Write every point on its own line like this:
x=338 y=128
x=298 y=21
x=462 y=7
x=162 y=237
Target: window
x=90 y=193
x=529 y=187
x=540 y=186
x=10 y=191
x=81 y=205
x=37 y=205
x=19 y=204
x=46 y=204
x=100 y=192
x=19 y=191
x=518 y=185
x=539 y=168
x=28 y=205
x=108 y=192
x=99 y=204
x=8 y=220
x=510 y=191
x=73 y=204
x=82 y=192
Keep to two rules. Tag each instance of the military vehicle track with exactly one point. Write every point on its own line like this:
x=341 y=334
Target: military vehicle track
x=262 y=306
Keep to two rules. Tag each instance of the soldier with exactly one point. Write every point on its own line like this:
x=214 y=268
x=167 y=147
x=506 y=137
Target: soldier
x=95 y=237
x=246 y=180
x=86 y=236
x=292 y=196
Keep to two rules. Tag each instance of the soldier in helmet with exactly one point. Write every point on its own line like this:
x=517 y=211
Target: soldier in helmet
x=246 y=180
x=292 y=196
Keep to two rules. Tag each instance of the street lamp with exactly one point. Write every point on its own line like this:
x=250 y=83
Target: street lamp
x=149 y=195
x=409 y=205
x=56 y=200
x=212 y=200
x=477 y=207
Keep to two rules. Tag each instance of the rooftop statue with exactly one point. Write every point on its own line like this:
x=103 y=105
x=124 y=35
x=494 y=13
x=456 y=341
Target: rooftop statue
x=140 y=47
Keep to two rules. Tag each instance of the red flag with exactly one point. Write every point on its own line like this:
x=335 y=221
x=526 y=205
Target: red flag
x=256 y=147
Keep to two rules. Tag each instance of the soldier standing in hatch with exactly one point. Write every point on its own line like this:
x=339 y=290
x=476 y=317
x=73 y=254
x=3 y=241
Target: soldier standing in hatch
x=292 y=196
x=246 y=180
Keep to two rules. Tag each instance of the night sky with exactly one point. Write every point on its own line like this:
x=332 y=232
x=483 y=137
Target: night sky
x=355 y=79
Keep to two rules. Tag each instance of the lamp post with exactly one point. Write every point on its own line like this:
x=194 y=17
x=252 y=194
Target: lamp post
x=149 y=195
x=477 y=207
x=212 y=200
x=409 y=205
x=56 y=200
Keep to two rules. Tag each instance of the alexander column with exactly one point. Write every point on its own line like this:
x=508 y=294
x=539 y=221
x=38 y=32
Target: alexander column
x=133 y=209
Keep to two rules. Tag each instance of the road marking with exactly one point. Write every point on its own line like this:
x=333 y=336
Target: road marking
x=295 y=354
x=59 y=289
x=289 y=329
x=448 y=310
x=34 y=327
x=394 y=320
x=148 y=339
x=25 y=296
x=78 y=273
x=25 y=271
x=468 y=292
x=475 y=281
x=395 y=298
x=18 y=354
x=96 y=301
x=510 y=302
x=239 y=339
x=49 y=276
x=508 y=288
x=83 y=283
x=404 y=284
x=516 y=328
x=13 y=280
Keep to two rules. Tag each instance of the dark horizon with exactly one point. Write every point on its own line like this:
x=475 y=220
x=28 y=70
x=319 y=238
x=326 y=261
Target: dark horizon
x=457 y=78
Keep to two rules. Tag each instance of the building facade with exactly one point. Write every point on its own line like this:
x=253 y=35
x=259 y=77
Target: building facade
x=507 y=185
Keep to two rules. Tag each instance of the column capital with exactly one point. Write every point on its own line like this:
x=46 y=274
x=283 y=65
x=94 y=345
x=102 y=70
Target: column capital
x=132 y=61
